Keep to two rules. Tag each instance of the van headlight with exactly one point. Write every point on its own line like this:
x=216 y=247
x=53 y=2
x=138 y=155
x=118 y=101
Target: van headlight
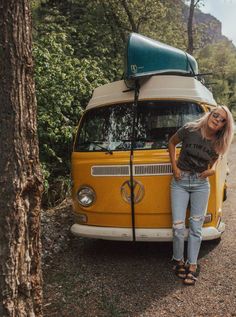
x=86 y=196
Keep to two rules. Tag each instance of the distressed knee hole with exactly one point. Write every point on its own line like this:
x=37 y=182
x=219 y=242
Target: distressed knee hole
x=178 y=225
x=197 y=218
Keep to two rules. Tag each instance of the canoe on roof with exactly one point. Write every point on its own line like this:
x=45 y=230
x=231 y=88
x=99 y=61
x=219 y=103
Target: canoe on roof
x=146 y=57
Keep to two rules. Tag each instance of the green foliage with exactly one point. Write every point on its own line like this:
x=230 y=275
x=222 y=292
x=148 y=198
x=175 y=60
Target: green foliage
x=220 y=60
x=101 y=27
x=64 y=84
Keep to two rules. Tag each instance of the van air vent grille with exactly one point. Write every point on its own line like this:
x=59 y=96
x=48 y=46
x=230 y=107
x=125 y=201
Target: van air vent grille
x=111 y=170
x=152 y=169
x=139 y=170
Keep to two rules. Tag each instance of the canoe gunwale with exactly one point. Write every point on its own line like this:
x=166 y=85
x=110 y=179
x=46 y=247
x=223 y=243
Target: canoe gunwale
x=163 y=72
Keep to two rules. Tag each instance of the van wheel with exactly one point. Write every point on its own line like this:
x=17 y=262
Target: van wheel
x=214 y=242
x=225 y=194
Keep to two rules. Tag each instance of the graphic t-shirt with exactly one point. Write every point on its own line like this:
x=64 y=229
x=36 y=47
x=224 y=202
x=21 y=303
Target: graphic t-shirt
x=196 y=153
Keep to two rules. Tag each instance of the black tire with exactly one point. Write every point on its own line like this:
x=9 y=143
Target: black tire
x=213 y=242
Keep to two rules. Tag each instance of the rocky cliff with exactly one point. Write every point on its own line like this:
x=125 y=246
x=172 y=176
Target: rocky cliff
x=209 y=27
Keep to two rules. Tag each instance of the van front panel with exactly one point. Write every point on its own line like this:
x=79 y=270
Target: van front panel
x=105 y=174
x=154 y=175
x=107 y=147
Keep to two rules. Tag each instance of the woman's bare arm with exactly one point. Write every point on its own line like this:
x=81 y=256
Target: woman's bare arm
x=174 y=140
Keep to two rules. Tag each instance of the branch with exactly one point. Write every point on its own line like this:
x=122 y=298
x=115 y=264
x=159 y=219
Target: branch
x=129 y=14
x=115 y=19
x=196 y=3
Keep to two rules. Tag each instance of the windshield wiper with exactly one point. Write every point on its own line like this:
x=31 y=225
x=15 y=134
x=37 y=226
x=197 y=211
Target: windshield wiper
x=139 y=139
x=99 y=146
x=145 y=140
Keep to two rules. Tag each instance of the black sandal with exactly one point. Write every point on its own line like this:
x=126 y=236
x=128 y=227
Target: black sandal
x=180 y=270
x=191 y=277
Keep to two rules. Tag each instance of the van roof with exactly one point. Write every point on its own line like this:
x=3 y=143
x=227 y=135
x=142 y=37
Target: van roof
x=161 y=87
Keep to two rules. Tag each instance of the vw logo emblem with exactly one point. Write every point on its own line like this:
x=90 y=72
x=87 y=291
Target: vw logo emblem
x=138 y=191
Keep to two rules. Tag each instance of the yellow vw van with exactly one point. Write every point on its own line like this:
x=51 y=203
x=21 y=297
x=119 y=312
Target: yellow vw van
x=121 y=170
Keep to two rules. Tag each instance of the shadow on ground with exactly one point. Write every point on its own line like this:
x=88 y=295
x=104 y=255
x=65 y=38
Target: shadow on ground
x=108 y=278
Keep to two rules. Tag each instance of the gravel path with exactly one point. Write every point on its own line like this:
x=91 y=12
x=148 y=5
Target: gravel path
x=95 y=278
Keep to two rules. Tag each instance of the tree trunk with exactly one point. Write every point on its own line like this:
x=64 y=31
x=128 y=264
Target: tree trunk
x=129 y=15
x=190 y=27
x=20 y=176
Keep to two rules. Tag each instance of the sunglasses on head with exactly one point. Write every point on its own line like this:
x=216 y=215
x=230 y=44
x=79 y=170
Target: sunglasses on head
x=216 y=115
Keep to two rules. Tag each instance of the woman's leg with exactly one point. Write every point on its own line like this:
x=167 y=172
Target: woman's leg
x=179 y=203
x=199 y=196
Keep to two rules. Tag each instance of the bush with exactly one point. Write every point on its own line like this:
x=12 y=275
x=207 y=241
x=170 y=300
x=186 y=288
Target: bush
x=64 y=84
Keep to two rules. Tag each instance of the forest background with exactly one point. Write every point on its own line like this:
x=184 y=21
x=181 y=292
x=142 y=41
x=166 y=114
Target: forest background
x=80 y=44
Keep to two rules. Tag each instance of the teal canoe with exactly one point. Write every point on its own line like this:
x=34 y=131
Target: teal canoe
x=146 y=57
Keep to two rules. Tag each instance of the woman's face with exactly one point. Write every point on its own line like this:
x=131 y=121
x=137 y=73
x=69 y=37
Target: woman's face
x=217 y=119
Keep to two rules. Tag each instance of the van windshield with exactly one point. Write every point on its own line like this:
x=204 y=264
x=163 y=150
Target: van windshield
x=109 y=128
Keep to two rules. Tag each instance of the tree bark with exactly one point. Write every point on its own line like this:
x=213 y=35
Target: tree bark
x=190 y=27
x=20 y=176
x=129 y=15
x=193 y=5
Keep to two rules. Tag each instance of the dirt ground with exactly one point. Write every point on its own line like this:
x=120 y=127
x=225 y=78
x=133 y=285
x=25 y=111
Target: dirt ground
x=95 y=278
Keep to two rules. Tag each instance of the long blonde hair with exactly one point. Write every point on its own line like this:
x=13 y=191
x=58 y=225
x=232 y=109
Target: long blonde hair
x=224 y=136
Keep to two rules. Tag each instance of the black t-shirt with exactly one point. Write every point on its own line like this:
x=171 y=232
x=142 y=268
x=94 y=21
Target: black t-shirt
x=196 y=153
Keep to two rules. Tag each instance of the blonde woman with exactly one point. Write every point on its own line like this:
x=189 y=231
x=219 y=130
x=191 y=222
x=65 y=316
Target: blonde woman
x=202 y=142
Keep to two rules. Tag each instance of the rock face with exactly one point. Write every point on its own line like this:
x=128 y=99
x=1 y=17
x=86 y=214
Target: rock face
x=214 y=30
x=207 y=25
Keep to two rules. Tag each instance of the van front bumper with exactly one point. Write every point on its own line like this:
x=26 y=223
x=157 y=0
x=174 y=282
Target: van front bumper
x=125 y=234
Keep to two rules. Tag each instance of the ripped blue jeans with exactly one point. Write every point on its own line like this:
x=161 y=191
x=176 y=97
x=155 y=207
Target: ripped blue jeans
x=190 y=189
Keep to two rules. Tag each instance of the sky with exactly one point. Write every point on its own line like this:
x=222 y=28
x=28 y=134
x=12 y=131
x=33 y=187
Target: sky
x=225 y=12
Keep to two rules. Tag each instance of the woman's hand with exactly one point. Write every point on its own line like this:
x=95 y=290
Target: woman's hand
x=207 y=173
x=177 y=174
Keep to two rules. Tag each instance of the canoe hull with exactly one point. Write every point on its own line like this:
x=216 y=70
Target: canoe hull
x=146 y=57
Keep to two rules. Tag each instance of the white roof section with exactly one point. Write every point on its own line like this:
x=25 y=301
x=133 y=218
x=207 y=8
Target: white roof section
x=164 y=87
